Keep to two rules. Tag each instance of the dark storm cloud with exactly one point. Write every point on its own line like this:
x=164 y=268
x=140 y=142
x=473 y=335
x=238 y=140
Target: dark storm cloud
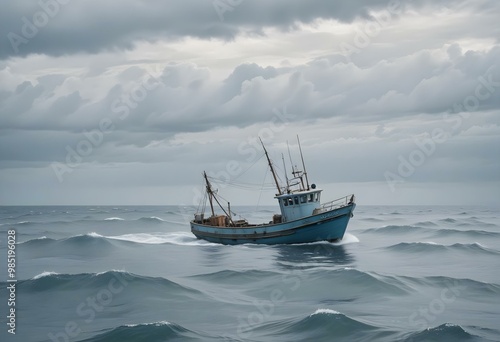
x=57 y=27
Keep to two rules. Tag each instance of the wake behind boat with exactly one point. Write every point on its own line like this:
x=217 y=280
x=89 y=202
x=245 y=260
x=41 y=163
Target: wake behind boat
x=303 y=217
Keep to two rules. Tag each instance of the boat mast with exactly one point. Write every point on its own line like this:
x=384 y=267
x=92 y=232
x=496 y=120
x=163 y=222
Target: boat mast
x=272 y=168
x=209 y=192
x=212 y=197
x=303 y=164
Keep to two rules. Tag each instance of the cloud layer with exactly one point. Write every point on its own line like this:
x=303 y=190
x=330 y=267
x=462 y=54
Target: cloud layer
x=137 y=95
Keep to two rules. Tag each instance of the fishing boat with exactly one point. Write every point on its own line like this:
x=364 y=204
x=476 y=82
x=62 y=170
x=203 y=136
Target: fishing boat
x=303 y=218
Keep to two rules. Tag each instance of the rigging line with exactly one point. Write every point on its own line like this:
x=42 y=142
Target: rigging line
x=255 y=162
x=241 y=185
x=278 y=175
x=250 y=188
x=202 y=202
x=260 y=193
x=225 y=200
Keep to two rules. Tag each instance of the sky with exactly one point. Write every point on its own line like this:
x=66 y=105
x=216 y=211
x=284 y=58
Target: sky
x=128 y=102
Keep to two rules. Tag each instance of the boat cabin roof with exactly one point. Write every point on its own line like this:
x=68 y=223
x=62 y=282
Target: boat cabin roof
x=300 y=192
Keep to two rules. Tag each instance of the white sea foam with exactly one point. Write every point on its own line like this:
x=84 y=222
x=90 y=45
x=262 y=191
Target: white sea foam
x=113 y=270
x=325 y=311
x=94 y=234
x=44 y=274
x=176 y=238
x=160 y=323
x=157 y=218
x=348 y=238
x=114 y=219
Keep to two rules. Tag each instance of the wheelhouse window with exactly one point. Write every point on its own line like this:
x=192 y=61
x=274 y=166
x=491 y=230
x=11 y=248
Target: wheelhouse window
x=303 y=199
x=285 y=202
x=296 y=200
x=311 y=197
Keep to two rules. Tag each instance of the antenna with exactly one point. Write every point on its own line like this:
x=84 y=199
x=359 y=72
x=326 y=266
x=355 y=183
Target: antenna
x=284 y=169
x=290 y=156
x=303 y=164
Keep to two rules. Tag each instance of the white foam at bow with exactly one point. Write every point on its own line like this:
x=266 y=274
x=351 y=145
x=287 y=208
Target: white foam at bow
x=348 y=238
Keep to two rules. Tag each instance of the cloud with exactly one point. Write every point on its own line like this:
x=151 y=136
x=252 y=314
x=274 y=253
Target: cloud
x=57 y=27
x=184 y=98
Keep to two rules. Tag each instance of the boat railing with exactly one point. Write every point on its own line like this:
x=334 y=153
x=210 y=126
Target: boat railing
x=335 y=204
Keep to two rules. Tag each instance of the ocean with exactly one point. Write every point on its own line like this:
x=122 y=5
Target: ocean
x=136 y=273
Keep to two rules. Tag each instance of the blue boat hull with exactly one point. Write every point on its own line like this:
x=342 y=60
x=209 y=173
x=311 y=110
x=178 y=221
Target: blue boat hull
x=326 y=226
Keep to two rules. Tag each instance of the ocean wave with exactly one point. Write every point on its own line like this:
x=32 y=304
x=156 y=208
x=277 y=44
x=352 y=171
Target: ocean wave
x=93 y=239
x=151 y=332
x=42 y=241
x=394 y=229
x=426 y=224
x=85 y=240
x=54 y=282
x=238 y=277
x=436 y=247
x=458 y=286
x=322 y=325
x=89 y=220
x=151 y=219
x=347 y=282
x=371 y=219
x=44 y=274
x=91 y=245
x=469 y=233
x=472 y=287
x=351 y=281
x=24 y=223
x=444 y=332
x=175 y=238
